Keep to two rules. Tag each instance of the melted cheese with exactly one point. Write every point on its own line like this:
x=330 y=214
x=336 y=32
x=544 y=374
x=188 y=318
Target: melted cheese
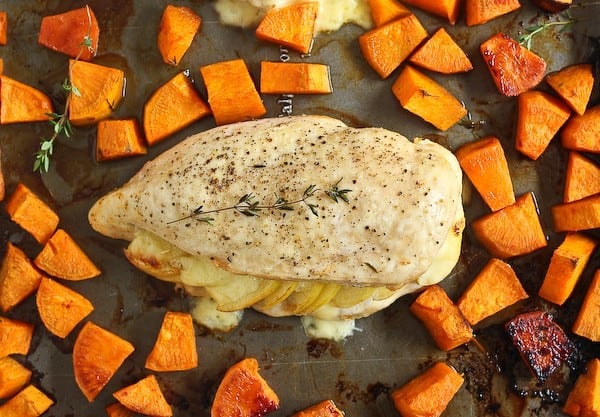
x=204 y=312
x=336 y=330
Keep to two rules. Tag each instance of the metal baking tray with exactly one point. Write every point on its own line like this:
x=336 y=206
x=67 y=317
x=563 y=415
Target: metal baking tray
x=392 y=346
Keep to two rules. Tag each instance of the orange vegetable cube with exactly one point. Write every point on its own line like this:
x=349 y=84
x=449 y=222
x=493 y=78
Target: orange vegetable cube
x=582 y=178
x=429 y=393
x=577 y=215
x=66 y=32
x=292 y=26
x=587 y=323
x=119 y=139
x=15 y=337
x=178 y=26
x=574 y=85
x=566 y=266
x=325 y=408
x=3 y=27
x=446 y=9
x=172 y=107
x=294 y=78
x=30 y=402
x=553 y=6
x=512 y=231
x=29 y=211
x=145 y=397
x=442 y=318
x=97 y=355
x=424 y=97
x=482 y=11
x=18 y=278
x=22 y=103
x=484 y=163
x=584 y=398
x=1 y=66
x=119 y=410
x=581 y=133
x=540 y=116
x=493 y=289
x=175 y=346
x=386 y=47
x=13 y=377
x=384 y=11
x=440 y=53
x=230 y=105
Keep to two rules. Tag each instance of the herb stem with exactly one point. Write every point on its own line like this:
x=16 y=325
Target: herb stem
x=527 y=39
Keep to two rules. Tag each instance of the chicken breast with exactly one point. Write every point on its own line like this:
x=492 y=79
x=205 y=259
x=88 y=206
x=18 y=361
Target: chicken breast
x=304 y=208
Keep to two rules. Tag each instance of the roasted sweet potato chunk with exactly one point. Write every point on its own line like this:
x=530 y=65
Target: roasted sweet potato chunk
x=582 y=178
x=15 y=337
x=119 y=410
x=178 y=26
x=482 y=11
x=577 y=215
x=119 y=139
x=581 y=132
x=446 y=9
x=18 y=278
x=574 y=85
x=294 y=78
x=553 y=6
x=175 y=346
x=3 y=27
x=384 y=11
x=13 y=376
x=292 y=26
x=584 y=398
x=145 y=397
x=541 y=343
x=325 y=408
x=22 y=103
x=30 y=402
x=441 y=53
x=31 y=213
x=587 y=323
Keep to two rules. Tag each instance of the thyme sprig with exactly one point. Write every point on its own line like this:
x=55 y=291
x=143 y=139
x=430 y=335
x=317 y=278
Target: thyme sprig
x=60 y=121
x=249 y=206
x=565 y=20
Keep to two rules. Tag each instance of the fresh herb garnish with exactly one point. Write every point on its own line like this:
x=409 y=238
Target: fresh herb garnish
x=565 y=20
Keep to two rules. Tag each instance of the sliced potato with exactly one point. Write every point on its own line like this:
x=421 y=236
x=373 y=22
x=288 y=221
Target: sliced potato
x=350 y=296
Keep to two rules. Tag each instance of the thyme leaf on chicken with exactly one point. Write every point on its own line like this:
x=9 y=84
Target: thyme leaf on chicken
x=565 y=20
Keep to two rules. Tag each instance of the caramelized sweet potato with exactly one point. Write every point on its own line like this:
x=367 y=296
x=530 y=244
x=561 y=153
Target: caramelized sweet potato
x=574 y=85
x=429 y=393
x=31 y=213
x=145 y=397
x=440 y=53
x=427 y=99
x=292 y=26
x=30 y=402
x=540 y=116
x=513 y=67
x=175 y=346
x=97 y=355
x=541 y=343
x=581 y=133
x=484 y=163
x=442 y=318
x=117 y=139
x=325 y=408
x=582 y=178
x=3 y=27
x=384 y=11
x=178 y=26
x=494 y=288
x=446 y=9
x=587 y=323
x=243 y=392
x=566 y=266
x=18 y=278
x=294 y=78
x=119 y=410
x=584 y=397
x=62 y=257
x=230 y=105
x=172 y=107
x=482 y=11
x=577 y=215
x=553 y=6
x=386 y=47
x=511 y=231
x=22 y=103
x=15 y=337
x=13 y=377
x=66 y=33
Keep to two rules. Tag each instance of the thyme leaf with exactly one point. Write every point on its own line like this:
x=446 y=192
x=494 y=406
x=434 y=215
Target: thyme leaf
x=565 y=20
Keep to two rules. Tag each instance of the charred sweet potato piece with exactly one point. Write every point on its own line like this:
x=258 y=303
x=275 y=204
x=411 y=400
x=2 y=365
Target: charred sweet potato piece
x=429 y=393
x=584 y=397
x=440 y=53
x=97 y=355
x=446 y=9
x=553 y=6
x=541 y=343
x=145 y=397
x=178 y=26
x=587 y=323
x=582 y=178
x=119 y=139
x=581 y=133
x=13 y=377
x=66 y=33
x=325 y=408
x=30 y=402
x=513 y=67
x=574 y=85
x=175 y=346
x=294 y=78
x=243 y=392
x=482 y=11
x=18 y=278
x=22 y=103
x=119 y=410
x=31 y=213
x=3 y=27
x=15 y=337
x=384 y=11
x=292 y=26
x=577 y=215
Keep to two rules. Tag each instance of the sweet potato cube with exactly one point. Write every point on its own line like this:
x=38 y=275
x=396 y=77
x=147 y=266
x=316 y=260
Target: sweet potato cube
x=540 y=116
x=31 y=213
x=574 y=85
x=512 y=231
x=117 y=139
x=514 y=68
x=482 y=11
x=493 y=289
x=22 y=103
x=294 y=78
x=386 y=47
x=244 y=392
x=429 y=393
x=582 y=178
x=97 y=356
x=145 y=397
x=581 y=133
x=18 y=278
x=424 y=97
x=15 y=337
x=541 y=343
x=119 y=410
x=584 y=397
x=172 y=107
x=484 y=163
x=30 y=402
x=3 y=27
x=442 y=318
x=66 y=33
x=587 y=323
x=175 y=346
x=577 y=215
x=440 y=53
x=325 y=408
x=13 y=377
x=566 y=266
x=292 y=26
x=446 y=9
x=384 y=11
x=230 y=105
x=178 y=26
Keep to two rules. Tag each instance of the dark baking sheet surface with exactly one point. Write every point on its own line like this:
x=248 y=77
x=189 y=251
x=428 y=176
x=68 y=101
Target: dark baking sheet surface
x=392 y=346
